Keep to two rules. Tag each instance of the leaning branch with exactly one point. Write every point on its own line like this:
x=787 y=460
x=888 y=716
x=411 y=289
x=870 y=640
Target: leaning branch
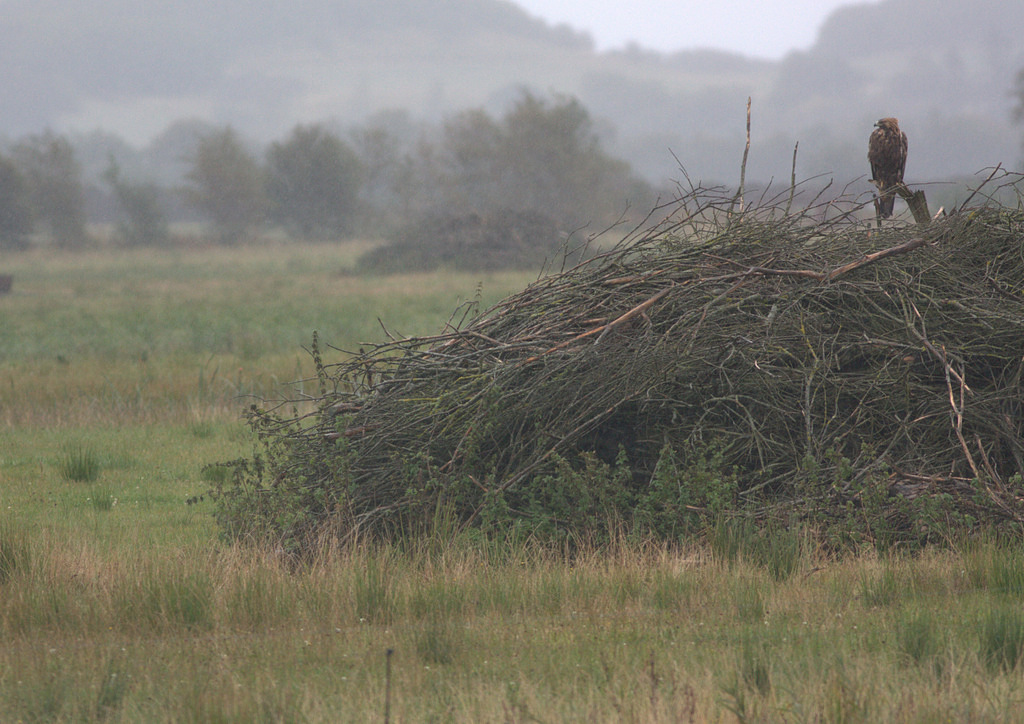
x=839 y=271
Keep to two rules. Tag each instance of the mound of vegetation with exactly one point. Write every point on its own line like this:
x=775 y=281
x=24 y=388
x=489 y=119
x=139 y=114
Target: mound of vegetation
x=471 y=242
x=779 y=367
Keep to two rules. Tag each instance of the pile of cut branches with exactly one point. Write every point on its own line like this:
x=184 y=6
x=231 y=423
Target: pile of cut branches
x=789 y=366
x=505 y=239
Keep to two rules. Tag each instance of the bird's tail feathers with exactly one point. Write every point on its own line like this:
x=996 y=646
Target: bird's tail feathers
x=886 y=202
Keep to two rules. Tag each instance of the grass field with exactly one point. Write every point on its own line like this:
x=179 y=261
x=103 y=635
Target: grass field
x=123 y=373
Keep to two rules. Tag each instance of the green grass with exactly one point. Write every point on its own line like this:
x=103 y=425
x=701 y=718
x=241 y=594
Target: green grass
x=14 y=555
x=229 y=633
x=1001 y=637
x=161 y=335
x=122 y=375
x=80 y=464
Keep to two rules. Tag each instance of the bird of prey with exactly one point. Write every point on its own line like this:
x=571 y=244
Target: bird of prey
x=887 y=153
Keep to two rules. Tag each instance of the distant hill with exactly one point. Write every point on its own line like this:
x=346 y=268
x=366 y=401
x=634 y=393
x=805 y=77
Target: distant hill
x=947 y=72
x=132 y=68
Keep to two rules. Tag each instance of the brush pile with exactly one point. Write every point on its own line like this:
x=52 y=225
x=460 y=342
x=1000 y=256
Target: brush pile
x=504 y=239
x=783 y=366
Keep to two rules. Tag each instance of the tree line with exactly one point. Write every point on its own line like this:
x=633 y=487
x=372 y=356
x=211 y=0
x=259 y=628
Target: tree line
x=543 y=155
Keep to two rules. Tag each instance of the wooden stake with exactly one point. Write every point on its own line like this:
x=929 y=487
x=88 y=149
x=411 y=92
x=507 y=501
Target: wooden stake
x=918 y=204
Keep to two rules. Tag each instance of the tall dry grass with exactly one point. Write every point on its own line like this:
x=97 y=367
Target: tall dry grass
x=501 y=632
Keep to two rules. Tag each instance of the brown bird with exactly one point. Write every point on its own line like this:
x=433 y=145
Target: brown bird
x=887 y=153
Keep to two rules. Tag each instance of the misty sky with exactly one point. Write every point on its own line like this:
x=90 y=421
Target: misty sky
x=760 y=28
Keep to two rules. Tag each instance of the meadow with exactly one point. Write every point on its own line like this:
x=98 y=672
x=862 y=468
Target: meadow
x=123 y=373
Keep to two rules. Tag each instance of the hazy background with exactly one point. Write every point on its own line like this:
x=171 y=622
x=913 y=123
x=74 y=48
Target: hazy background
x=758 y=28
x=664 y=84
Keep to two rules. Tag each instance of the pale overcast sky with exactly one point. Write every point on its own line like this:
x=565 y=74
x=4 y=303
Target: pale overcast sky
x=759 y=28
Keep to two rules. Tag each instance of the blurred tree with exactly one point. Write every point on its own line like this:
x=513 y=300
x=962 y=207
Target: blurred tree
x=54 y=185
x=313 y=181
x=15 y=208
x=393 y=166
x=477 y=168
x=541 y=156
x=145 y=222
x=227 y=185
x=558 y=160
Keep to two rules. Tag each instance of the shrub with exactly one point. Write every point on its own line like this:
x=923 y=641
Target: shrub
x=80 y=464
x=470 y=242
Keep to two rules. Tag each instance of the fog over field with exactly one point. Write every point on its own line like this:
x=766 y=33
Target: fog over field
x=132 y=70
x=767 y=29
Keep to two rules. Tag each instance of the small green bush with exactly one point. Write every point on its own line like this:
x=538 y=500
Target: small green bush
x=773 y=546
x=80 y=464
